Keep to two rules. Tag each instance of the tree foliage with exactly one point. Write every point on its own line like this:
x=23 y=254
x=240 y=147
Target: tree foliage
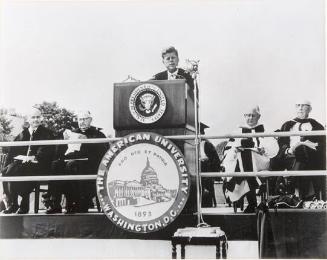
x=5 y=128
x=56 y=118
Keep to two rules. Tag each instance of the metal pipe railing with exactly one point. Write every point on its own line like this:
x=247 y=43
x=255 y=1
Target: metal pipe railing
x=49 y=178
x=182 y=137
x=203 y=174
x=172 y=137
x=265 y=173
x=58 y=142
x=265 y=134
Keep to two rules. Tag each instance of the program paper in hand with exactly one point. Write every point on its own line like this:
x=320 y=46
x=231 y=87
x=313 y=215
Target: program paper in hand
x=69 y=135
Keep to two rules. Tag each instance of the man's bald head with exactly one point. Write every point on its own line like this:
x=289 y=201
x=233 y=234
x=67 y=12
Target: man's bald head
x=34 y=117
x=252 y=115
x=84 y=119
x=303 y=108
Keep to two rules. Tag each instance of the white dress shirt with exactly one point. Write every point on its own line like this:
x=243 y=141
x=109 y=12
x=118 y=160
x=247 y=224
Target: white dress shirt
x=172 y=76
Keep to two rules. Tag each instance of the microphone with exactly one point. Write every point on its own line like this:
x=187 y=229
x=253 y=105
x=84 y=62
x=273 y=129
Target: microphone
x=192 y=67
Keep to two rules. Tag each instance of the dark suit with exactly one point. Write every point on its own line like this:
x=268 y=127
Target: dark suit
x=79 y=194
x=43 y=155
x=181 y=74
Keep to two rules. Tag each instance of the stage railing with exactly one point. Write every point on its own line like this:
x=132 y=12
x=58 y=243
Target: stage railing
x=203 y=174
x=172 y=137
x=176 y=137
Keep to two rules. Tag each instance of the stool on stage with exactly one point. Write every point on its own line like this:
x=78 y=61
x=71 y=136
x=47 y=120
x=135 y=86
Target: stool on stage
x=200 y=236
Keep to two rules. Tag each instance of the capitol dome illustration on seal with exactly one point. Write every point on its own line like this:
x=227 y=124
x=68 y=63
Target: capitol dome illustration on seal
x=149 y=175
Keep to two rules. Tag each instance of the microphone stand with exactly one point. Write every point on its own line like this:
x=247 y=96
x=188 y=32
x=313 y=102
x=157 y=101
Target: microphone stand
x=193 y=69
x=201 y=225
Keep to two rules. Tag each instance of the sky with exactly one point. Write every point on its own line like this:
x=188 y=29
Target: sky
x=269 y=53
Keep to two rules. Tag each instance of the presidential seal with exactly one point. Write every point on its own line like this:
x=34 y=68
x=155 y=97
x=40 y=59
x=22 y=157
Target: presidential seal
x=143 y=182
x=147 y=103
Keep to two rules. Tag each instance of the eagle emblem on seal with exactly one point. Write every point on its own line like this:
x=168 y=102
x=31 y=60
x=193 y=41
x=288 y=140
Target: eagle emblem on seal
x=147 y=103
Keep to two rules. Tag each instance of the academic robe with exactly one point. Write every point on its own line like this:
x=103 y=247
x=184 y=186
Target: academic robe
x=210 y=162
x=314 y=160
x=304 y=158
x=247 y=161
x=79 y=192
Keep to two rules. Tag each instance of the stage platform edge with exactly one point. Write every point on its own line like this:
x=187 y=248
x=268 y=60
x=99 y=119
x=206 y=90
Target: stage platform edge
x=98 y=226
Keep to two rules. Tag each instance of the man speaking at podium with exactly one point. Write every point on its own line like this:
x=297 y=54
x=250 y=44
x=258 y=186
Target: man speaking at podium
x=170 y=60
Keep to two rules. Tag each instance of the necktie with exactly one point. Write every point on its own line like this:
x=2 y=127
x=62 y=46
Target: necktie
x=29 y=147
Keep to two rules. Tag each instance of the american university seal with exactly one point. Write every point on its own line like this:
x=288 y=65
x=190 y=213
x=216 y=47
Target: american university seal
x=147 y=103
x=143 y=182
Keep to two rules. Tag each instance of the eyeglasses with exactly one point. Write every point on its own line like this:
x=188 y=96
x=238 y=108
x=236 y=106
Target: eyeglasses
x=302 y=105
x=250 y=115
x=83 y=118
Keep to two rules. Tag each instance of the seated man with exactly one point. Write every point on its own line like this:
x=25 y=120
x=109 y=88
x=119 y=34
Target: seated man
x=27 y=161
x=246 y=155
x=78 y=159
x=303 y=153
x=170 y=60
x=210 y=162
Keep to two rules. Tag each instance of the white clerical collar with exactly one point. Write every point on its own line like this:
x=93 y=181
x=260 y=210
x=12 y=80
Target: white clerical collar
x=84 y=130
x=249 y=127
x=31 y=130
x=172 y=75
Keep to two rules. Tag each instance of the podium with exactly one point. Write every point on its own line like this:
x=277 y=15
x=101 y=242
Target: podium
x=177 y=119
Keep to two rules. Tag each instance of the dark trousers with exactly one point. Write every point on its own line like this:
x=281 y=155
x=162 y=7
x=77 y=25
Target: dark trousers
x=306 y=159
x=78 y=194
x=208 y=193
x=13 y=189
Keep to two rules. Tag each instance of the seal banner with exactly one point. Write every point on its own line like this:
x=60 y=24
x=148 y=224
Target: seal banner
x=147 y=103
x=143 y=182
